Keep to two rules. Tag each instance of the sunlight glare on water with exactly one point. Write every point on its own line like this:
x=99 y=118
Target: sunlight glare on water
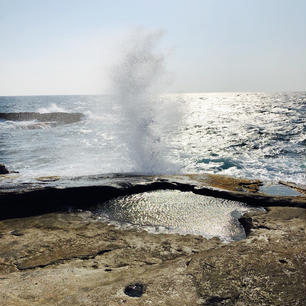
x=177 y=212
x=251 y=135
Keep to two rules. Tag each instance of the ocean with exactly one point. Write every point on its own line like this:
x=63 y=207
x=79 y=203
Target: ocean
x=250 y=135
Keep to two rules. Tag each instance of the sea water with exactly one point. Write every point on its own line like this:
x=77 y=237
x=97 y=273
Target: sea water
x=138 y=129
x=252 y=135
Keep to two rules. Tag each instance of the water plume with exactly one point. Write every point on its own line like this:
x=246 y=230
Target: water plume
x=137 y=83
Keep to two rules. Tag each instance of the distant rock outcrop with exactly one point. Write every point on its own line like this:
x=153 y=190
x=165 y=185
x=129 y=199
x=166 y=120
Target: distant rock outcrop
x=59 y=118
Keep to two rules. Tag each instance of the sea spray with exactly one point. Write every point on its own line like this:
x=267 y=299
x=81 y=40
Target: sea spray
x=137 y=82
x=52 y=108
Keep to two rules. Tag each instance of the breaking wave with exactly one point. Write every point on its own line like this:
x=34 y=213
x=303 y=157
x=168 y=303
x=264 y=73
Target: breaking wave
x=52 y=108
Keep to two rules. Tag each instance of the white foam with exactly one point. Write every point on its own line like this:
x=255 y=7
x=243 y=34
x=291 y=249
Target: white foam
x=24 y=125
x=52 y=108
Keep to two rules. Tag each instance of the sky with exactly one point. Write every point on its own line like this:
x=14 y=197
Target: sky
x=70 y=46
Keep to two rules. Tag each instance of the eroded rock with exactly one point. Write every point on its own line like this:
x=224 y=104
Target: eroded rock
x=86 y=260
x=71 y=258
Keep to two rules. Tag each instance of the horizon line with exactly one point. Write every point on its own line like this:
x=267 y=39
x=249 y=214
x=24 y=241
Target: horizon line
x=165 y=93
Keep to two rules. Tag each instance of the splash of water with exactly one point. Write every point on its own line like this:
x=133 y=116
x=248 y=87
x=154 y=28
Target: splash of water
x=137 y=81
x=53 y=108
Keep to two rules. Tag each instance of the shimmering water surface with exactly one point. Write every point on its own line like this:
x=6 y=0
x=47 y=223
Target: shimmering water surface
x=253 y=135
x=177 y=212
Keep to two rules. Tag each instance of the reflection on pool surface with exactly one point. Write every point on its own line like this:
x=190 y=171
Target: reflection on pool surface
x=279 y=190
x=168 y=211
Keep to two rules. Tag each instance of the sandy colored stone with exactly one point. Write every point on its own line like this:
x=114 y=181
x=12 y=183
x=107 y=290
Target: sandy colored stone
x=73 y=259
x=228 y=182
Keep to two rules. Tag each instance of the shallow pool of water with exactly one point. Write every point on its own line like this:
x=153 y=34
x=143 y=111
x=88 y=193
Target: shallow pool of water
x=279 y=190
x=170 y=211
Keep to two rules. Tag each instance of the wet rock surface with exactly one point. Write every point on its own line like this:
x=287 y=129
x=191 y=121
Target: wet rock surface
x=3 y=169
x=71 y=258
x=19 y=199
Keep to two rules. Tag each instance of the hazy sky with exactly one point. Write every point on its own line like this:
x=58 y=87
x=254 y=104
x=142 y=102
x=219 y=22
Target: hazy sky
x=69 y=46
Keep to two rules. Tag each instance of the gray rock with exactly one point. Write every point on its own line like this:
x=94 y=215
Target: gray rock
x=58 y=117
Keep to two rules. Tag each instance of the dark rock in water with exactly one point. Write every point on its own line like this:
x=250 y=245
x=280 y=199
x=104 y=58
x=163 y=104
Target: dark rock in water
x=59 y=118
x=246 y=223
x=3 y=169
x=134 y=290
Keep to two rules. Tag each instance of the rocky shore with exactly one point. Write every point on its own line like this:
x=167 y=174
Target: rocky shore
x=61 y=255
